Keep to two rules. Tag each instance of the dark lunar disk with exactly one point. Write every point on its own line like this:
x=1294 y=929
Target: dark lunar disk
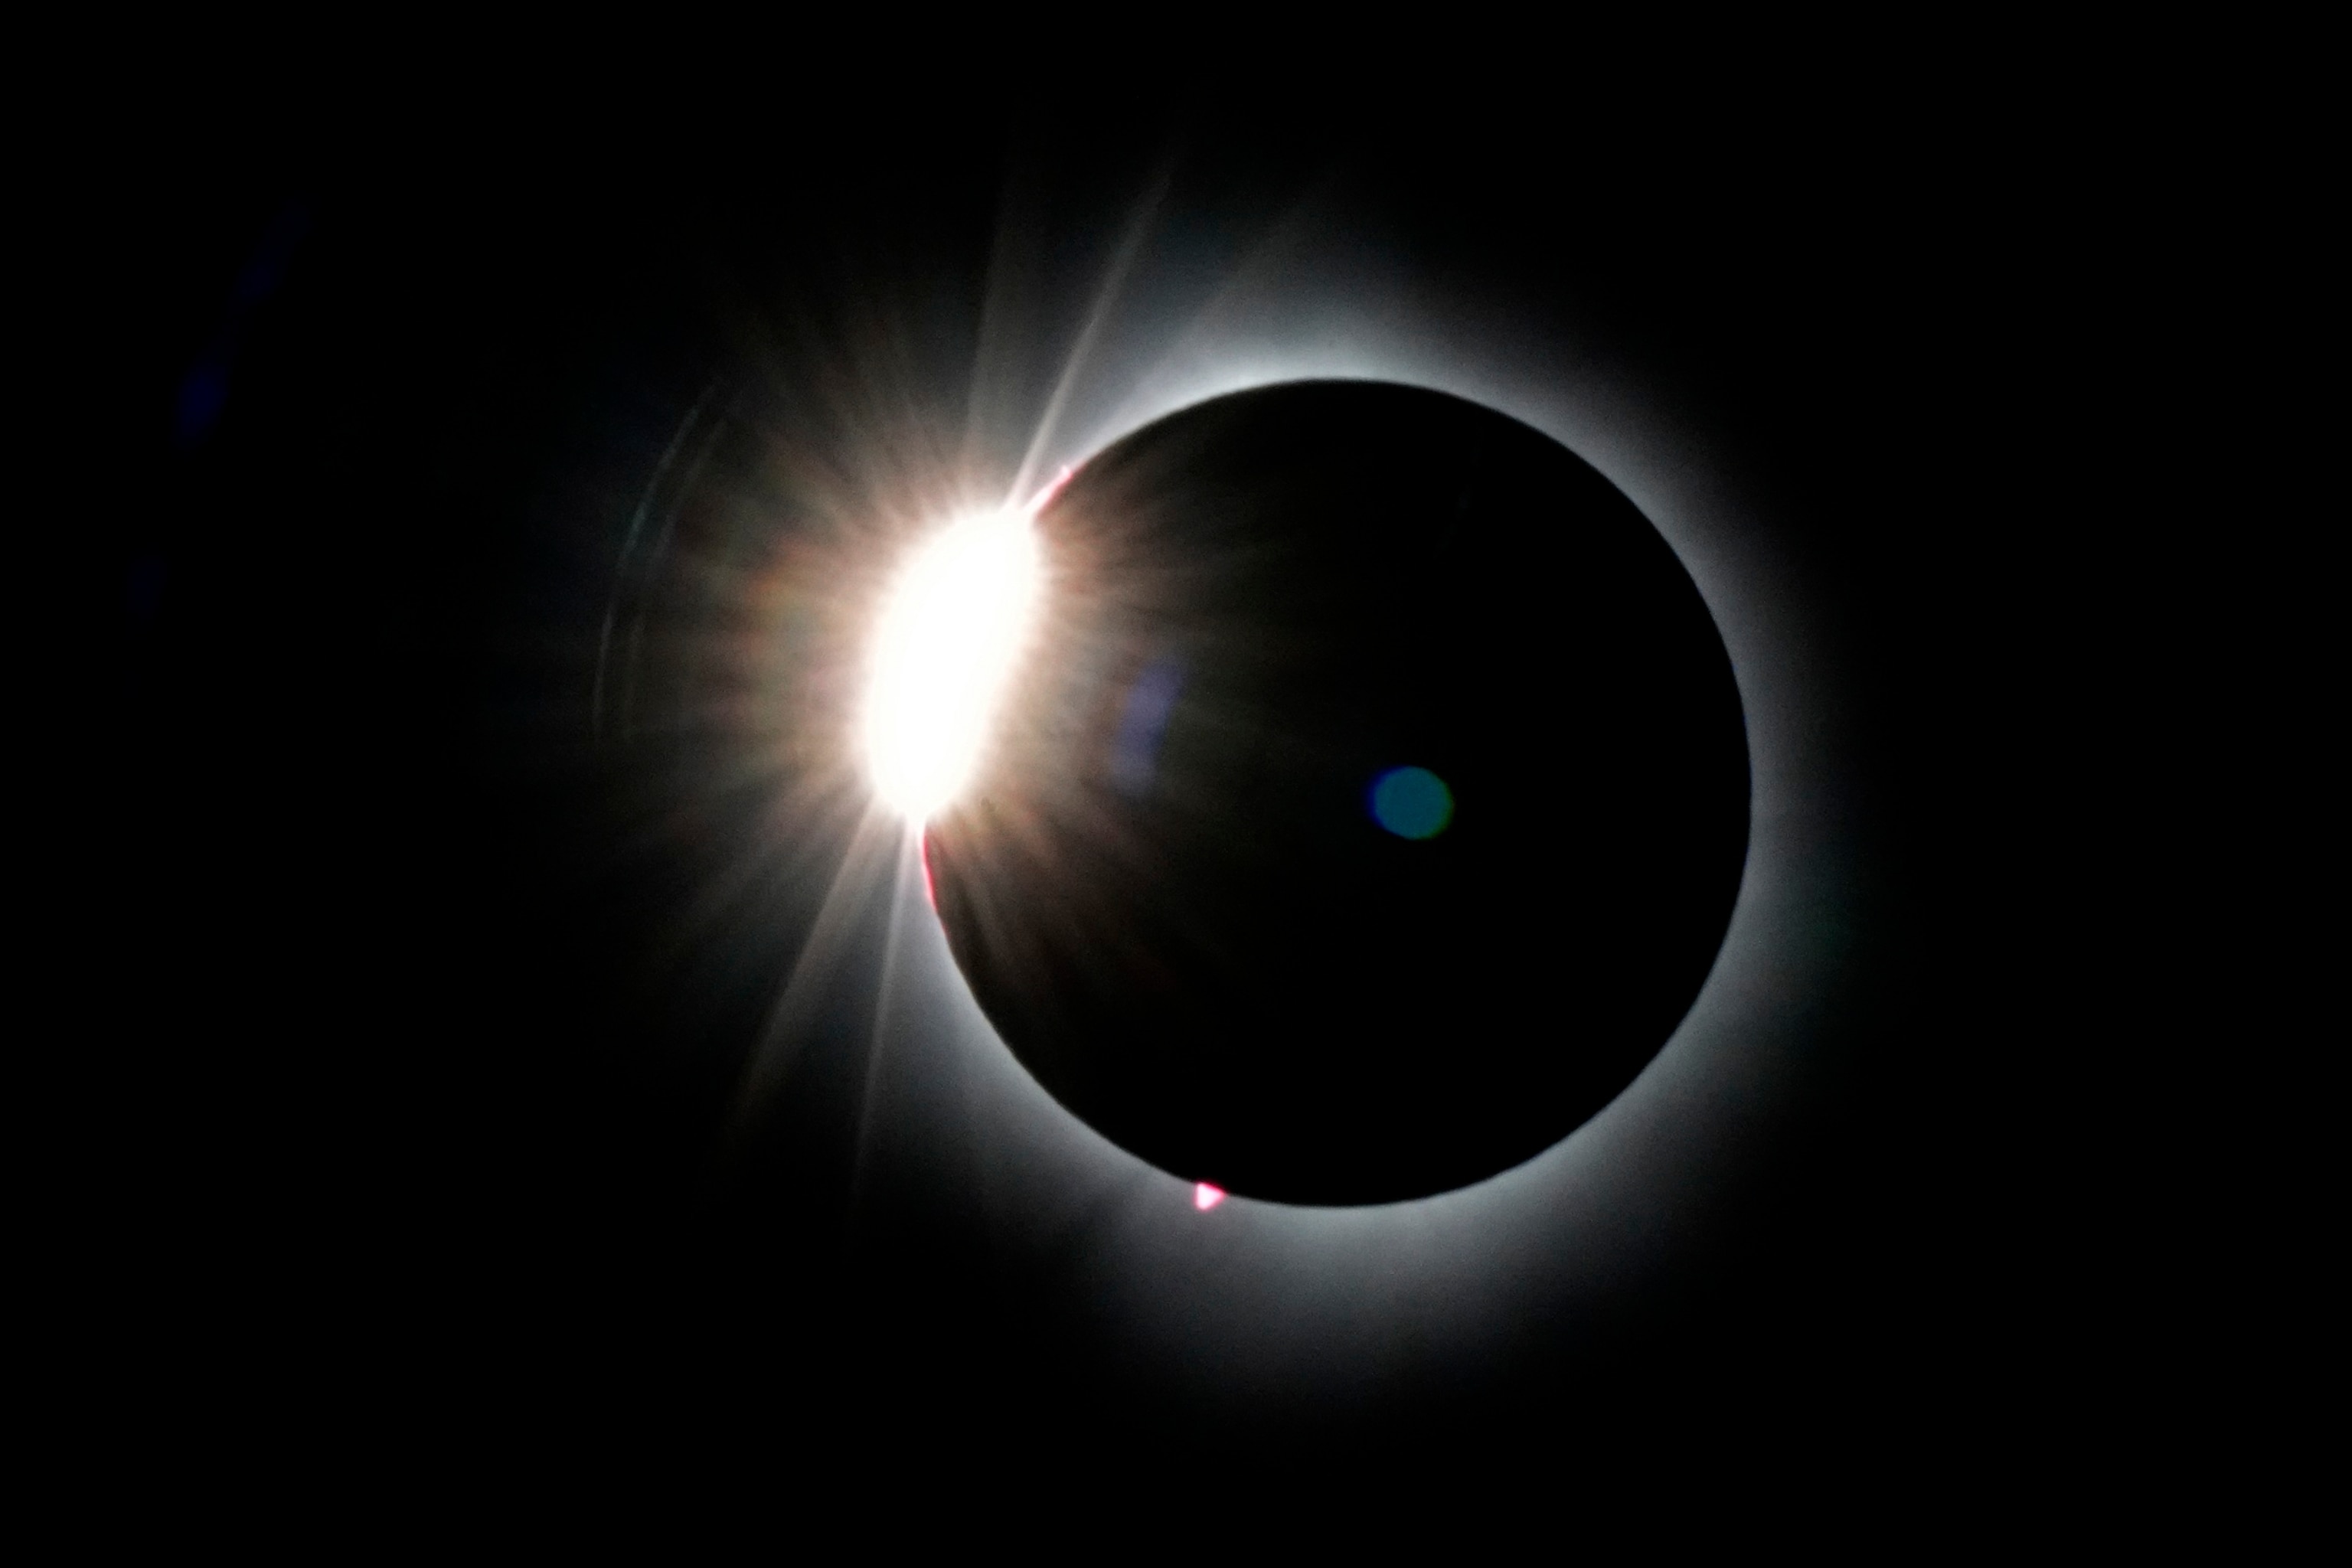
x=1169 y=889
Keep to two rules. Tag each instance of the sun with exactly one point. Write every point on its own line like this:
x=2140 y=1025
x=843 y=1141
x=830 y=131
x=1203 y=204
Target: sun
x=951 y=627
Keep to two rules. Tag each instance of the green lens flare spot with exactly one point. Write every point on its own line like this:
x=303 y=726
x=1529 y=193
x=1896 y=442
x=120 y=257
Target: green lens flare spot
x=1411 y=803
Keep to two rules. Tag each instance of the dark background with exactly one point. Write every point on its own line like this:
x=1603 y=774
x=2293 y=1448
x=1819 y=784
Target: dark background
x=390 y=1142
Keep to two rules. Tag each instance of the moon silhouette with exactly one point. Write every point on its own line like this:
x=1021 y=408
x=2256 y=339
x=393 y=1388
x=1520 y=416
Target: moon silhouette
x=1369 y=807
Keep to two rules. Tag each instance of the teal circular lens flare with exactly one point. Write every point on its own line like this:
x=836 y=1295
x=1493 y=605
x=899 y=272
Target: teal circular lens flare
x=1411 y=803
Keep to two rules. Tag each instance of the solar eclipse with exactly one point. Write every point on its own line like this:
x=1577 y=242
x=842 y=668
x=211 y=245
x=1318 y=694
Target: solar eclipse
x=1358 y=955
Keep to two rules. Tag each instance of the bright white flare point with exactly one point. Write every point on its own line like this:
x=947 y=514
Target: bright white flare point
x=952 y=628
x=1207 y=1195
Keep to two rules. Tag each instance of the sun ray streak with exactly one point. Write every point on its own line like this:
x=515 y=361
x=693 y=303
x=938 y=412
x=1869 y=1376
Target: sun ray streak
x=1099 y=315
x=829 y=941
x=893 y=949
